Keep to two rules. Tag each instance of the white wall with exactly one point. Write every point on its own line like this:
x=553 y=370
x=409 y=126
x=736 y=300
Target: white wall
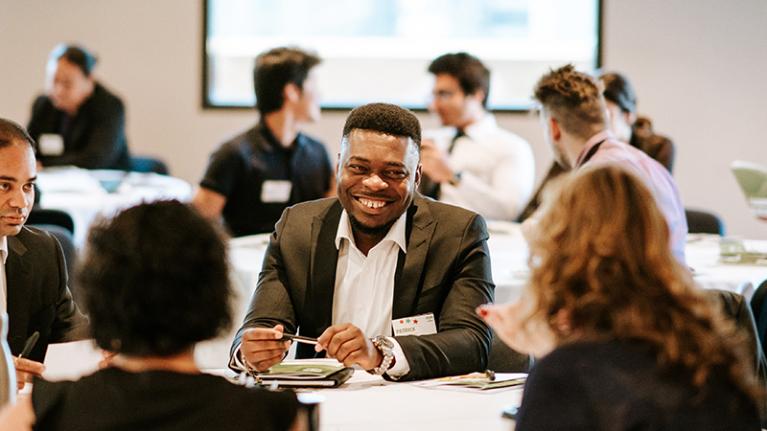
x=697 y=66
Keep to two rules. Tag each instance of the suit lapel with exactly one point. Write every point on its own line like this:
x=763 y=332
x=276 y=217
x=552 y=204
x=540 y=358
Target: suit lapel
x=408 y=278
x=17 y=271
x=321 y=286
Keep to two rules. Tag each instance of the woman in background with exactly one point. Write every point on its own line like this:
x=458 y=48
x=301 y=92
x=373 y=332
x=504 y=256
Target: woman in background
x=626 y=341
x=155 y=282
x=78 y=121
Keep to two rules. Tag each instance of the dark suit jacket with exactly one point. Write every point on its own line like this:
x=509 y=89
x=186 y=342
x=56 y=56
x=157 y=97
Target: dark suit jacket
x=94 y=138
x=38 y=296
x=446 y=271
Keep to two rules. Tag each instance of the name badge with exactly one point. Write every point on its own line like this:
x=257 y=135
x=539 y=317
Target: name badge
x=275 y=191
x=51 y=144
x=423 y=324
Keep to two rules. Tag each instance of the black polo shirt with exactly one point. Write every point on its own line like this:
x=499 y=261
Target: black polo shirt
x=241 y=166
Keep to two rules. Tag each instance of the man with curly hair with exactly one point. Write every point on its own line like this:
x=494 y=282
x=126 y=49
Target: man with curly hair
x=575 y=122
x=376 y=257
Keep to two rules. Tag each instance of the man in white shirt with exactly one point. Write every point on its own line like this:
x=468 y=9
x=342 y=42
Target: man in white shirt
x=471 y=162
x=378 y=261
x=33 y=275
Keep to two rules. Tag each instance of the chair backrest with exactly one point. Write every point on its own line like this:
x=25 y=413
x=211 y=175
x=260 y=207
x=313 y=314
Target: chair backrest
x=40 y=216
x=759 y=310
x=704 y=222
x=737 y=308
x=148 y=164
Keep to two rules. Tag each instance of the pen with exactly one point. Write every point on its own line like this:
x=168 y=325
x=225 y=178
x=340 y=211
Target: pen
x=29 y=344
x=298 y=339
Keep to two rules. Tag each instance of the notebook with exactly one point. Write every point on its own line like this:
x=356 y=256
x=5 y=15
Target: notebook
x=306 y=373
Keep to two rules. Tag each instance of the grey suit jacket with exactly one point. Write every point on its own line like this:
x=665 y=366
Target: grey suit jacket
x=446 y=271
x=38 y=296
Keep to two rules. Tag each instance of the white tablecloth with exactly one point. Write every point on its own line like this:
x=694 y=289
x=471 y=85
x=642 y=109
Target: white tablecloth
x=508 y=254
x=365 y=402
x=83 y=193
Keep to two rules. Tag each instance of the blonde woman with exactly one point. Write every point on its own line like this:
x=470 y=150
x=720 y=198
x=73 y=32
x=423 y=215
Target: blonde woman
x=626 y=341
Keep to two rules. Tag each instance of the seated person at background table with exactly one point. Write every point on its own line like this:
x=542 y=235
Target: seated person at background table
x=620 y=101
x=78 y=121
x=342 y=268
x=626 y=339
x=153 y=293
x=33 y=274
x=254 y=176
x=576 y=126
x=471 y=162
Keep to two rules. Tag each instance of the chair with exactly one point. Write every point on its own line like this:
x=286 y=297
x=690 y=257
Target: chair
x=503 y=359
x=737 y=309
x=704 y=222
x=759 y=309
x=39 y=216
x=148 y=164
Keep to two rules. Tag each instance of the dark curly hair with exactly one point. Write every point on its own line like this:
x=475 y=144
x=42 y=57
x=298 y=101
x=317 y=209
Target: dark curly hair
x=385 y=118
x=277 y=68
x=574 y=100
x=155 y=280
x=468 y=70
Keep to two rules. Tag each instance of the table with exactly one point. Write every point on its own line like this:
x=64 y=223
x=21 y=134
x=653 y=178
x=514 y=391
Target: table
x=508 y=253
x=88 y=194
x=364 y=402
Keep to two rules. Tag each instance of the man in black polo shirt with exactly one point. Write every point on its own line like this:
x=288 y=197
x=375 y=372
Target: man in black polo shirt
x=253 y=177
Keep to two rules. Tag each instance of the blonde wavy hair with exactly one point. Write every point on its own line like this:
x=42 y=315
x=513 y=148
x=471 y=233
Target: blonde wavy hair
x=602 y=264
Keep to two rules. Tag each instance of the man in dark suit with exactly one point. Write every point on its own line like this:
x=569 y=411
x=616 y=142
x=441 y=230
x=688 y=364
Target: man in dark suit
x=33 y=284
x=341 y=269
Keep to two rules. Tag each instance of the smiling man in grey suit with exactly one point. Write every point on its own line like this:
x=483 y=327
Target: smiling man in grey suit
x=33 y=276
x=379 y=261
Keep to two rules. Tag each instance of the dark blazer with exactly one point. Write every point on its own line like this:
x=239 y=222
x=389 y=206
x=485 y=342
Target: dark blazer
x=446 y=271
x=95 y=137
x=38 y=296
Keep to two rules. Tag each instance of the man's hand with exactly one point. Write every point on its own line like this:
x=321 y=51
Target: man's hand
x=25 y=370
x=260 y=347
x=434 y=162
x=346 y=343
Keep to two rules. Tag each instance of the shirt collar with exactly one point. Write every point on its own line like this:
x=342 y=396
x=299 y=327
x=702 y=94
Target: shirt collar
x=599 y=137
x=396 y=233
x=487 y=122
x=4 y=248
x=272 y=141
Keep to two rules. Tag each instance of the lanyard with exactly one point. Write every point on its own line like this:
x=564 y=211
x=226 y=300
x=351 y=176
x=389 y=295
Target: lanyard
x=593 y=150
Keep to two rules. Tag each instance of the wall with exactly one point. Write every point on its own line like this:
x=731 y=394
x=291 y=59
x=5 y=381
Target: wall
x=690 y=63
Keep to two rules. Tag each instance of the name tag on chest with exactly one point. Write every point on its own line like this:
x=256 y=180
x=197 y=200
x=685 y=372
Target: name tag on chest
x=423 y=324
x=51 y=144
x=276 y=191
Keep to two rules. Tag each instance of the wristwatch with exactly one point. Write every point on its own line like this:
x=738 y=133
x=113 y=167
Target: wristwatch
x=385 y=346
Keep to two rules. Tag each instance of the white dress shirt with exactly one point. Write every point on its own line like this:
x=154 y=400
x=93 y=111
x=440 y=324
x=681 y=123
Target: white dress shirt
x=3 y=281
x=364 y=285
x=497 y=169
